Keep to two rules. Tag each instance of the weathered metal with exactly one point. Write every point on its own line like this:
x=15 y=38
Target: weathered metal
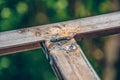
x=82 y=28
x=68 y=61
x=66 y=57
x=19 y=48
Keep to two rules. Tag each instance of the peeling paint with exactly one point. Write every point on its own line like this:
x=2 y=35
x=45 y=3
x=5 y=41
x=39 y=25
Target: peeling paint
x=70 y=61
x=92 y=27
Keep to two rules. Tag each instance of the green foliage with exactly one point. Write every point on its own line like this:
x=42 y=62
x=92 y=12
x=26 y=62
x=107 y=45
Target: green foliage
x=12 y=13
x=30 y=65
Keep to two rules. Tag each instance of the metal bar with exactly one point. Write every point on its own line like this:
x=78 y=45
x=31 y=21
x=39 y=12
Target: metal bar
x=69 y=62
x=95 y=24
x=51 y=61
x=98 y=33
x=20 y=48
x=15 y=41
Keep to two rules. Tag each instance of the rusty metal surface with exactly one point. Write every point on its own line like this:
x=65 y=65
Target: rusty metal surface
x=106 y=22
x=69 y=62
x=65 y=56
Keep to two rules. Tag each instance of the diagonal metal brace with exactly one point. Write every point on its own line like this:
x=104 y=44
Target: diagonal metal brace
x=51 y=61
x=68 y=60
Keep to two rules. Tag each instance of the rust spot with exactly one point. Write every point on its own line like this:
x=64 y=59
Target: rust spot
x=37 y=34
x=64 y=34
x=55 y=31
x=70 y=31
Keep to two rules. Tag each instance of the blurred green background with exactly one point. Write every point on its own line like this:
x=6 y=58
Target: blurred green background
x=32 y=65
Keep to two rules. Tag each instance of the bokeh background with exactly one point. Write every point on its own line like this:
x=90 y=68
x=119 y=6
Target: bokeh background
x=103 y=53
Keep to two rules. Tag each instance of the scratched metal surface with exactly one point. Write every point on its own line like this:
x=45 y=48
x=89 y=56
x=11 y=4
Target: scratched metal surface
x=106 y=22
x=69 y=62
